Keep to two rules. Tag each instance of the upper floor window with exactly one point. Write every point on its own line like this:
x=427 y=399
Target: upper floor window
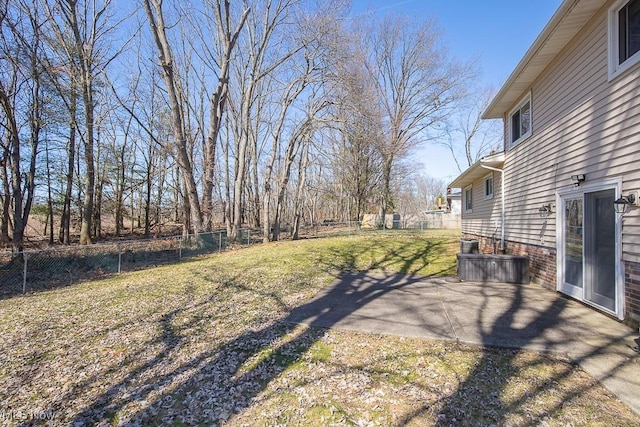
x=624 y=36
x=520 y=119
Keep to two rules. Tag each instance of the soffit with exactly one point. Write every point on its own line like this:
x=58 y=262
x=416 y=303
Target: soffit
x=477 y=171
x=569 y=19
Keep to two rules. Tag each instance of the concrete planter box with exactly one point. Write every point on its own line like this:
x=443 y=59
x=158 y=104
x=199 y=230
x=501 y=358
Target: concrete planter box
x=493 y=268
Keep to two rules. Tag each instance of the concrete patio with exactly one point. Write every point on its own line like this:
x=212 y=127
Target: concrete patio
x=487 y=314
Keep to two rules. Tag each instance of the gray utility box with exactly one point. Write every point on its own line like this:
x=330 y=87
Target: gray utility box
x=469 y=246
x=493 y=268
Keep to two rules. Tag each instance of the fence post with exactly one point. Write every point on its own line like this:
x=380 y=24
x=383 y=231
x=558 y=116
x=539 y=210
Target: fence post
x=220 y=241
x=24 y=272
x=180 y=247
x=248 y=237
x=119 y=258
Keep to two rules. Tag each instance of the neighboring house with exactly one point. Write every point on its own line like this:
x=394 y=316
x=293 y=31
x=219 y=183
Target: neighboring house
x=571 y=112
x=454 y=202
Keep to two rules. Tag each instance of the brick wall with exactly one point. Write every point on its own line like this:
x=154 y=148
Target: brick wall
x=542 y=260
x=542 y=267
x=632 y=290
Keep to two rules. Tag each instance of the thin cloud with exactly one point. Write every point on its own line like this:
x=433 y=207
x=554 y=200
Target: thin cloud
x=382 y=8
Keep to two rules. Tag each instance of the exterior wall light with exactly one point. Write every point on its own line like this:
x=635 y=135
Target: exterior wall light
x=545 y=210
x=578 y=179
x=620 y=204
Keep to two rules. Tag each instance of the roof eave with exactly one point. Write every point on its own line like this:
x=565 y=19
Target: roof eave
x=478 y=170
x=565 y=23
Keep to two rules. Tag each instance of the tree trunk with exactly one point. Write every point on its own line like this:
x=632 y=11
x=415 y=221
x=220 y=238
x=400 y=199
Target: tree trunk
x=283 y=182
x=162 y=172
x=385 y=196
x=82 y=72
x=186 y=208
x=65 y=219
x=6 y=205
x=302 y=179
x=256 y=218
x=99 y=172
x=147 y=199
x=89 y=159
x=218 y=100
x=266 y=209
x=158 y=27
x=227 y=186
x=120 y=187
x=97 y=211
x=16 y=190
x=49 y=197
x=266 y=195
x=238 y=184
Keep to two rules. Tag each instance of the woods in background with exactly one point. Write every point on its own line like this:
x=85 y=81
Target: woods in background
x=212 y=113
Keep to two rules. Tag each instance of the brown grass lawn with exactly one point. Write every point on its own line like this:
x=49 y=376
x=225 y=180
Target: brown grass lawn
x=203 y=342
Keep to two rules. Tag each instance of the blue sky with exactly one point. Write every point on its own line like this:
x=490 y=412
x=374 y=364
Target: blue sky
x=496 y=32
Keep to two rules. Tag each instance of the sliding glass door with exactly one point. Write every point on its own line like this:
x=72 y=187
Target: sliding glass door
x=573 y=247
x=600 y=249
x=588 y=260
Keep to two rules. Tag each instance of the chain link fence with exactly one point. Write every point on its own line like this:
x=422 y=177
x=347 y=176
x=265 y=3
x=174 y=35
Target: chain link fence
x=50 y=268
x=34 y=270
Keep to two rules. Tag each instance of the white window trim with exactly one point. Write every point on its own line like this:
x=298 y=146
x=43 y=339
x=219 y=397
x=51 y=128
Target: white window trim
x=484 y=186
x=615 y=68
x=519 y=105
x=464 y=199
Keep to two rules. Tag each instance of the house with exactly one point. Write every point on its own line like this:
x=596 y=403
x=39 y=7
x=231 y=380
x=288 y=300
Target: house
x=454 y=202
x=571 y=159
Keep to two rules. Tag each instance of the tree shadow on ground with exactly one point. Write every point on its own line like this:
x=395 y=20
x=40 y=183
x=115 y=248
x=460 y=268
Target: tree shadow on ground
x=212 y=385
x=220 y=380
x=487 y=395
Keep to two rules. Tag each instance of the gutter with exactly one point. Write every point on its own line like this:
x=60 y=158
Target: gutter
x=563 y=26
x=502 y=212
x=533 y=50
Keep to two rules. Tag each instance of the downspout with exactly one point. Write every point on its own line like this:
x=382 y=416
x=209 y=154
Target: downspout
x=502 y=247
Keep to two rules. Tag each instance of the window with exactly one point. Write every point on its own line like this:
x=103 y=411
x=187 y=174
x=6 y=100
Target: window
x=624 y=36
x=488 y=187
x=468 y=199
x=521 y=121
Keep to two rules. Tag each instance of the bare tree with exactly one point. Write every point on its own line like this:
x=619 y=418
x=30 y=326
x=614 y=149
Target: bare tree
x=293 y=90
x=416 y=85
x=154 y=158
x=275 y=113
x=356 y=160
x=225 y=36
x=468 y=136
x=155 y=16
x=65 y=218
x=21 y=102
x=296 y=133
x=81 y=31
x=147 y=124
x=301 y=182
x=427 y=190
x=297 y=140
x=266 y=47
